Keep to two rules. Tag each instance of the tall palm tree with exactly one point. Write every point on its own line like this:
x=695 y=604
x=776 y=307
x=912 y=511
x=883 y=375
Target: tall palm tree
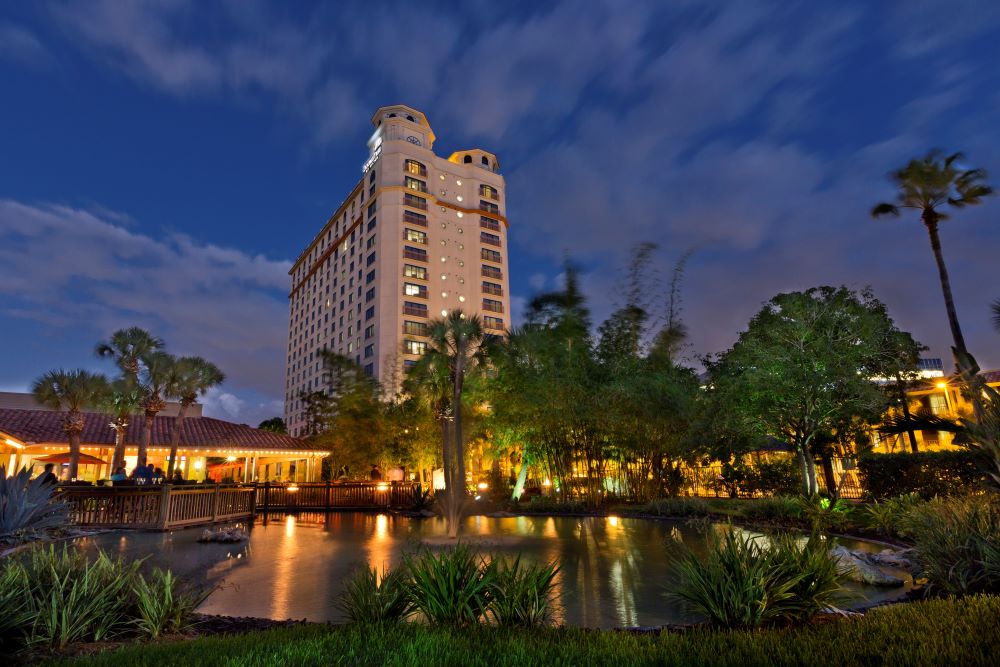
x=191 y=378
x=996 y=315
x=121 y=402
x=72 y=392
x=127 y=347
x=927 y=185
x=156 y=379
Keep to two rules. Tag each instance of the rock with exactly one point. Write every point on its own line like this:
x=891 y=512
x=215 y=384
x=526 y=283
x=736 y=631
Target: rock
x=855 y=567
x=427 y=513
x=224 y=535
x=898 y=558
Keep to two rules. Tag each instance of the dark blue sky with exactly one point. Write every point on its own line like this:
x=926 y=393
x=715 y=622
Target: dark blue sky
x=161 y=163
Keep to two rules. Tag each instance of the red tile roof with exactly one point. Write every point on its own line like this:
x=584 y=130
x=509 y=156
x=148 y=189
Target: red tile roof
x=44 y=427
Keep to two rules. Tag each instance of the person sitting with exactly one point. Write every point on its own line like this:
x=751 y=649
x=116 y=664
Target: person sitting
x=48 y=477
x=158 y=474
x=178 y=478
x=375 y=474
x=119 y=475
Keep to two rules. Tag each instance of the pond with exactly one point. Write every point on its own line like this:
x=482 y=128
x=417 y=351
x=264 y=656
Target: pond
x=615 y=571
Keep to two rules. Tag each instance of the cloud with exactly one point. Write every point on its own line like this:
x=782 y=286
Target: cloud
x=74 y=271
x=20 y=44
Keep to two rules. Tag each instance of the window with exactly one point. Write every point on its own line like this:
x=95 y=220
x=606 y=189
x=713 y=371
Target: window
x=415 y=328
x=412 y=289
x=415 y=184
x=369 y=331
x=415 y=168
x=370 y=369
x=371 y=260
x=414 y=236
x=414 y=346
x=490 y=255
x=415 y=253
x=939 y=405
x=489 y=239
x=491 y=272
x=371 y=177
x=492 y=305
x=494 y=323
x=370 y=243
x=409 y=363
x=484 y=161
x=414 y=308
x=488 y=192
x=370 y=295
x=415 y=218
x=370 y=278
x=371 y=209
x=369 y=350
x=467 y=159
x=370 y=313
x=492 y=288
x=418 y=272
x=415 y=201
x=371 y=224
x=489 y=223
x=489 y=207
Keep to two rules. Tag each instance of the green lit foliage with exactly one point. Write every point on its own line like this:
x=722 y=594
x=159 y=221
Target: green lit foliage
x=824 y=514
x=747 y=582
x=371 y=597
x=523 y=595
x=165 y=604
x=890 y=516
x=454 y=587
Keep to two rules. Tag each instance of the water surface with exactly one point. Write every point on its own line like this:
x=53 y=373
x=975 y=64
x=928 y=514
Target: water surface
x=614 y=573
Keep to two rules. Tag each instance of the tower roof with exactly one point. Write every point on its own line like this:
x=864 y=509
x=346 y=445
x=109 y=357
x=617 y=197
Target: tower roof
x=404 y=112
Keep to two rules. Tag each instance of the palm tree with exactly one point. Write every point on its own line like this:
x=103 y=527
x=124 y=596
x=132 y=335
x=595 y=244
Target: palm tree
x=156 y=380
x=927 y=185
x=191 y=378
x=72 y=392
x=996 y=315
x=429 y=383
x=122 y=400
x=127 y=347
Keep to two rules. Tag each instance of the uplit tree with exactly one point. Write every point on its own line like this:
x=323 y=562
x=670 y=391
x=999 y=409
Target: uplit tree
x=191 y=377
x=71 y=392
x=122 y=402
x=155 y=378
x=273 y=425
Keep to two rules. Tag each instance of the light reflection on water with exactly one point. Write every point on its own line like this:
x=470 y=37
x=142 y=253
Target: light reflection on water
x=614 y=571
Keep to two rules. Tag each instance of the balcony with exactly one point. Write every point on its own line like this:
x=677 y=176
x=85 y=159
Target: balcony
x=418 y=294
x=415 y=328
x=416 y=219
x=416 y=169
x=489 y=223
x=489 y=239
x=491 y=272
x=490 y=255
x=414 y=253
x=414 y=201
x=492 y=289
x=489 y=207
x=492 y=306
x=489 y=193
x=414 y=184
x=413 y=310
x=414 y=237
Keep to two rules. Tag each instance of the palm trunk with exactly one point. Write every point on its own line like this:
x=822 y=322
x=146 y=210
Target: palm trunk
x=522 y=476
x=74 y=454
x=459 y=441
x=931 y=222
x=144 y=438
x=829 y=476
x=175 y=438
x=906 y=413
x=118 y=458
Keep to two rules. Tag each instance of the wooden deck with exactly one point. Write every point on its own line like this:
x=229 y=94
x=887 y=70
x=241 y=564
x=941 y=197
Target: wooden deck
x=167 y=506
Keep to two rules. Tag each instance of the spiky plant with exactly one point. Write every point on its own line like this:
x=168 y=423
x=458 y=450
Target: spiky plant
x=371 y=597
x=453 y=588
x=28 y=506
x=523 y=595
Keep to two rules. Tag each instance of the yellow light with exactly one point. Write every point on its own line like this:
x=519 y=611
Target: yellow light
x=230 y=458
x=197 y=465
x=942 y=385
x=482 y=486
x=293 y=488
x=382 y=487
x=613 y=521
x=15 y=444
x=547 y=482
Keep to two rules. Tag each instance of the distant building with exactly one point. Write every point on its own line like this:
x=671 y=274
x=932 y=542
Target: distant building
x=418 y=236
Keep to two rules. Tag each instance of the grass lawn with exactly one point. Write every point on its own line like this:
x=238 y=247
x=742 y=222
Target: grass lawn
x=961 y=632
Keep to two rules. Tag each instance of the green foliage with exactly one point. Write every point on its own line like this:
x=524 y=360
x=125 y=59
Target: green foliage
x=452 y=588
x=551 y=505
x=372 y=598
x=165 y=604
x=274 y=425
x=746 y=583
x=957 y=543
x=523 y=594
x=890 y=516
x=926 y=473
x=28 y=506
x=924 y=634
x=762 y=478
x=674 y=507
x=779 y=509
x=825 y=515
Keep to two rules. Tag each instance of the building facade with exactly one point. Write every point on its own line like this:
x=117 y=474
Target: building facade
x=418 y=236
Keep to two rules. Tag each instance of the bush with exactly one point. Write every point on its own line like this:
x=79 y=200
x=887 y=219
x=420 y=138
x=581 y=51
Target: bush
x=745 y=584
x=550 y=505
x=454 y=588
x=523 y=594
x=372 y=599
x=675 y=507
x=164 y=603
x=763 y=478
x=782 y=509
x=957 y=544
x=927 y=473
x=27 y=505
x=825 y=515
x=889 y=517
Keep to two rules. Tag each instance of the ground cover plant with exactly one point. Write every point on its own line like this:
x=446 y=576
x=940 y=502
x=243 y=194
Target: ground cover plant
x=934 y=632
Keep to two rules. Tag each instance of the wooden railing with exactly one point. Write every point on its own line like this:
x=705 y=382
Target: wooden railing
x=333 y=495
x=159 y=507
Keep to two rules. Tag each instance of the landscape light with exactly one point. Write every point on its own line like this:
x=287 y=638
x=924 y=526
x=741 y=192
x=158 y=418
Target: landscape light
x=942 y=385
x=483 y=486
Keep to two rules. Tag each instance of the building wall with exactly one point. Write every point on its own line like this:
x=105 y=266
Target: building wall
x=349 y=291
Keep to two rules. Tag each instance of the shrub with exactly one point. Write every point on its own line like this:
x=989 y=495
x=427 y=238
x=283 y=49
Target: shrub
x=453 y=588
x=550 y=505
x=762 y=478
x=523 y=594
x=927 y=473
x=745 y=584
x=779 y=509
x=164 y=603
x=675 y=507
x=889 y=517
x=824 y=514
x=957 y=544
x=372 y=598
x=27 y=505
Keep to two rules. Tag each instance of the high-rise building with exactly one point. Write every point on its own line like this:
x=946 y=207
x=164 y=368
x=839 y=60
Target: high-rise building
x=418 y=236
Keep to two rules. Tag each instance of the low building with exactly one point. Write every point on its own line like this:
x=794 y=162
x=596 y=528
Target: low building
x=209 y=449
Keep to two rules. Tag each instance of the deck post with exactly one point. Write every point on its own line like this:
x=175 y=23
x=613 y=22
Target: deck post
x=326 y=495
x=164 y=515
x=267 y=489
x=215 y=503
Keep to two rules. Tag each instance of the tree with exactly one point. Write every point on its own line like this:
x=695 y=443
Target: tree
x=927 y=185
x=456 y=343
x=996 y=314
x=273 y=425
x=806 y=367
x=155 y=378
x=121 y=402
x=72 y=392
x=127 y=347
x=190 y=377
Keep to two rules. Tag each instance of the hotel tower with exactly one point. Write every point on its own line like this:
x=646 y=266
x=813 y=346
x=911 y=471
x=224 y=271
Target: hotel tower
x=418 y=236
